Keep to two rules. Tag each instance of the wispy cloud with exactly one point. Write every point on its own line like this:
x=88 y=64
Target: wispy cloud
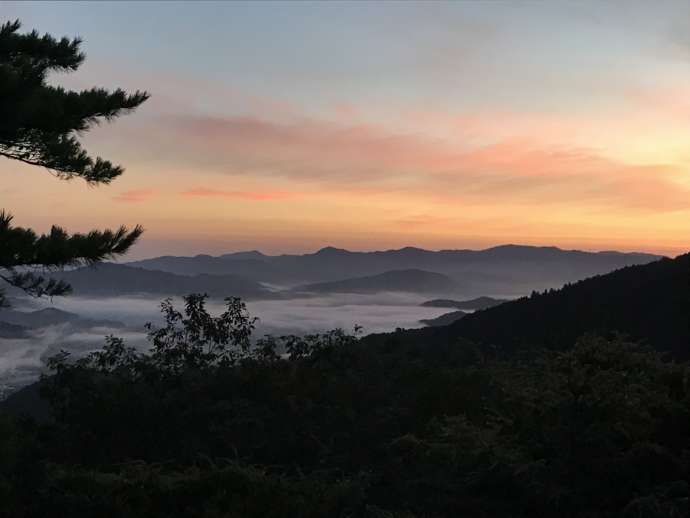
x=135 y=195
x=201 y=192
x=341 y=157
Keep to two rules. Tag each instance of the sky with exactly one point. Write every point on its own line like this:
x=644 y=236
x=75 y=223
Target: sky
x=286 y=127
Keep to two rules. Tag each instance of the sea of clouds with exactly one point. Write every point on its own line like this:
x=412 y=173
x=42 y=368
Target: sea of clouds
x=23 y=360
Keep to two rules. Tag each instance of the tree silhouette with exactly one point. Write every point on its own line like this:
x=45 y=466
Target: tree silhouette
x=39 y=126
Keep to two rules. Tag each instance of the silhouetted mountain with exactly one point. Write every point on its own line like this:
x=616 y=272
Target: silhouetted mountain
x=472 y=304
x=252 y=254
x=116 y=279
x=414 y=281
x=444 y=320
x=649 y=302
x=508 y=269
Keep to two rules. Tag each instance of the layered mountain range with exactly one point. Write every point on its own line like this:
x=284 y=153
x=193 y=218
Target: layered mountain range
x=509 y=270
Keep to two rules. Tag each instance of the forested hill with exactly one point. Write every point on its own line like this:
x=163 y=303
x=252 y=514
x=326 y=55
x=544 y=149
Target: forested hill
x=649 y=302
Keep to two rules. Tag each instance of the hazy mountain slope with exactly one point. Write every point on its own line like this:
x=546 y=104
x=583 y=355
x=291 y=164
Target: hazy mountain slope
x=472 y=304
x=116 y=279
x=649 y=302
x=506 y=269
x=251 y=267
x=415 y=281
x=445 y=319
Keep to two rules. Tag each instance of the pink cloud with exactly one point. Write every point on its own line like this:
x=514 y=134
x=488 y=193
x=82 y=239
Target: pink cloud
x=135 y=195
x=343 y=158
x=346 y=110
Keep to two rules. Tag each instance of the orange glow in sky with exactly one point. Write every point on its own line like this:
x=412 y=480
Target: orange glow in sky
x=389 y=125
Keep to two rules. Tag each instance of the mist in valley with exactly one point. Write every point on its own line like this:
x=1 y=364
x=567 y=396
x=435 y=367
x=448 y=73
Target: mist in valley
x=23 y=359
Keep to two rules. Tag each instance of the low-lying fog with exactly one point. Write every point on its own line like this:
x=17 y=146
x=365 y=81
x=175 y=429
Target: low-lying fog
x=22 y=360
x=379 y=312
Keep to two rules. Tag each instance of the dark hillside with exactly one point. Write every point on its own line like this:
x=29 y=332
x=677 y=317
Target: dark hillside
x=649 y=302
x=445 y=319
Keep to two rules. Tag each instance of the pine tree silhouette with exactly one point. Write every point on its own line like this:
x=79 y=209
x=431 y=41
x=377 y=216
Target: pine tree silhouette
x=39 y=124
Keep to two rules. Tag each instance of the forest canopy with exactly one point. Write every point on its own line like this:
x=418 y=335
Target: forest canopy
x=325 y=425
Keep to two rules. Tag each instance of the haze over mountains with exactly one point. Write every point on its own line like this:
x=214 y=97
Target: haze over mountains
x=28 y=338
x=107 y=279
x=510 y=269
x=50 y=317
x=411 y=281
x=472 y=304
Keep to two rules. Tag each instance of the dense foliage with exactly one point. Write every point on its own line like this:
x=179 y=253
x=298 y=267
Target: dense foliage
x=39 y=126
x=327 y=425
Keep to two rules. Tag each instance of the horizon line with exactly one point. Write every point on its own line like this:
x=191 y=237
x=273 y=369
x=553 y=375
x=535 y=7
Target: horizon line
x=409 y=247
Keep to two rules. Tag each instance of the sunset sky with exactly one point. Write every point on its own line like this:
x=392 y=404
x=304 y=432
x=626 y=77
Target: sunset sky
x=287 y=127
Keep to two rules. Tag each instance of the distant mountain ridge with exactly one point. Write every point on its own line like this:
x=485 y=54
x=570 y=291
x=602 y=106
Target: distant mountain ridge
x=506 y=269
x=108 y=279
x=510 y=270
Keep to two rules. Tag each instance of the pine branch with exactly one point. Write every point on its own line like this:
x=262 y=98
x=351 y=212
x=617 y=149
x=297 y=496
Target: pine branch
x=23 y=248
x=39 y=125
x=43 y=52
x=36 y=285
x=39 y=122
